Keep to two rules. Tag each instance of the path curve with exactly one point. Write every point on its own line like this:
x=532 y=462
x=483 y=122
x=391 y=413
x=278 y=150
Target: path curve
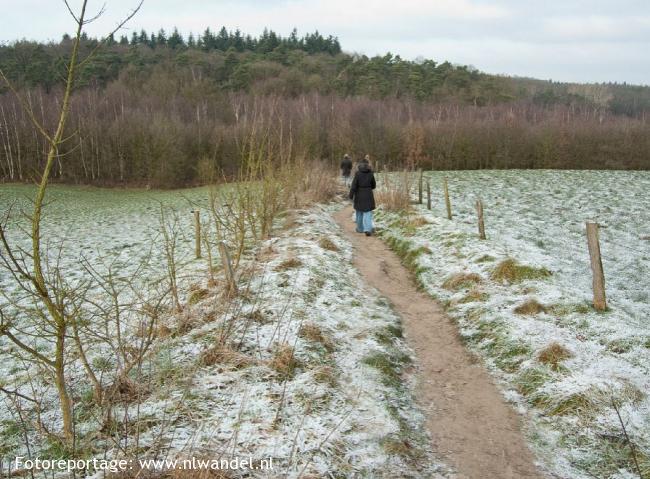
x=472 y=427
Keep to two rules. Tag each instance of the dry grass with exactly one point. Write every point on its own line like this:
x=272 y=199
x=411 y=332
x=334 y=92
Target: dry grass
x=327 y=375
x=509 y=271
x=223 y=355
x=258 y=317
x=318 y=183
x=125 y=391
x=461 y=281
x=328 y=244
x=529 y=307
x=553 y=354
x=197 y=294
x=398 y=446
x=196 y=473
x=474 y=295
x=267 y=253
x=312 y=332
x=283 y=361
x=394 y=195
x=289 y=263
x=186 y=323
x=630 y=393
x=587 y=403
x=418 y=221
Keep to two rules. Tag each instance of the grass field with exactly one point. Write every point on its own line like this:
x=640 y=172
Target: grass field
x=522 y=300
x=294 y=367
x=103 y=226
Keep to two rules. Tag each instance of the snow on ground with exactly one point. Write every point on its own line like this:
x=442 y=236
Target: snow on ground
x=538 y=219
x=304 y=365
x=102 y=226
x=342 y=409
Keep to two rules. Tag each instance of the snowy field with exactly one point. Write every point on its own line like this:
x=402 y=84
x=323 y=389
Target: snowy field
x=564 y=364
x=294 y=367
x=102 y=226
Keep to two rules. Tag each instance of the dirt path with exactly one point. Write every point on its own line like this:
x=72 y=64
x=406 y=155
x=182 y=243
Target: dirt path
x=472 y=427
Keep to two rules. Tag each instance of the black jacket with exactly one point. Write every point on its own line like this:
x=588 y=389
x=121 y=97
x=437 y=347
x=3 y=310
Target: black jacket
x=346 y=166
x=361 y=189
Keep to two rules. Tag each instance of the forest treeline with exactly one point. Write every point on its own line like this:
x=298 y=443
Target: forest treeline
x=167 y=111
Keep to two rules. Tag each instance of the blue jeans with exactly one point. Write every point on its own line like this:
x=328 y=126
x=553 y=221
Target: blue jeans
x=364 y=221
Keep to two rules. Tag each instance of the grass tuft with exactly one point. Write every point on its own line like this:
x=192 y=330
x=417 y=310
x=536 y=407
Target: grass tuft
x=225 y=356
x=126 y=391
x=328 y=244
x=566 y=309
x=474 y=295
x=327 y=375
x=586 y=403
x=553 y=354
x=258 y=317
x=399 y=446
x=530 y=380
x=284 y=361
x=620 y=346
x=461 y=281
x=509 y=271
x=388 y=334
x=390 y=365
x=529 y=307
x=289 y=263
x=312 y=332
x=197 y=295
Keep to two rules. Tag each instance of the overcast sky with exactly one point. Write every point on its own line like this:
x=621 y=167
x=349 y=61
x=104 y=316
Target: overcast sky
x=565 y=40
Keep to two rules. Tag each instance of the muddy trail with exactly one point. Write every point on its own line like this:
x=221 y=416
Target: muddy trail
x=472 y=428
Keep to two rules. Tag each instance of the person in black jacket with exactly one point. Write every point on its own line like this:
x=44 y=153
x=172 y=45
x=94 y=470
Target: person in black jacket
x=346 y=169
x=363 y=197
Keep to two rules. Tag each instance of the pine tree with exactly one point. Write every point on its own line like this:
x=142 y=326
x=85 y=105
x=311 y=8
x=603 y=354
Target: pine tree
x=161 y=39
x=175 y=40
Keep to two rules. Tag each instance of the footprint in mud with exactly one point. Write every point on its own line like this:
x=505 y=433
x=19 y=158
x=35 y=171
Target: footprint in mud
x=383 y=266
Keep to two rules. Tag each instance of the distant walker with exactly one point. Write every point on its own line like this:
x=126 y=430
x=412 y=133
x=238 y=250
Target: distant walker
x=346 y=169
x=363 y=197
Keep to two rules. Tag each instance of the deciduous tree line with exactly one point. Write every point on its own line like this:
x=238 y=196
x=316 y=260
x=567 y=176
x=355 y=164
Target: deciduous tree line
x=165 y=111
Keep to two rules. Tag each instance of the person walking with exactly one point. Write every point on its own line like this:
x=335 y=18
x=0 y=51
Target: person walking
x=346 y=169
x=363 y=197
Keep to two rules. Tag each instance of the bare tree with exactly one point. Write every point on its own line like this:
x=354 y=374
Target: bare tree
x=28 y=267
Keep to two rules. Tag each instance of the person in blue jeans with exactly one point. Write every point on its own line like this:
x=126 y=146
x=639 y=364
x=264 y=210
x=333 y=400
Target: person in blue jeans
x=363 y=197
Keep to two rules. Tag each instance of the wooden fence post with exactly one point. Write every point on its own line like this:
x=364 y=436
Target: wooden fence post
x=600 y=302
x=447 y=202
x=481 y=225
x=420 y=186
x=428 y=195
x=227 y=267
x=197 y=232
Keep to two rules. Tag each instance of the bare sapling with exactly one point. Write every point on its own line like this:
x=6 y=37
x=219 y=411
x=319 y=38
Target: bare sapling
x=170 y=230
x=29 y=268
